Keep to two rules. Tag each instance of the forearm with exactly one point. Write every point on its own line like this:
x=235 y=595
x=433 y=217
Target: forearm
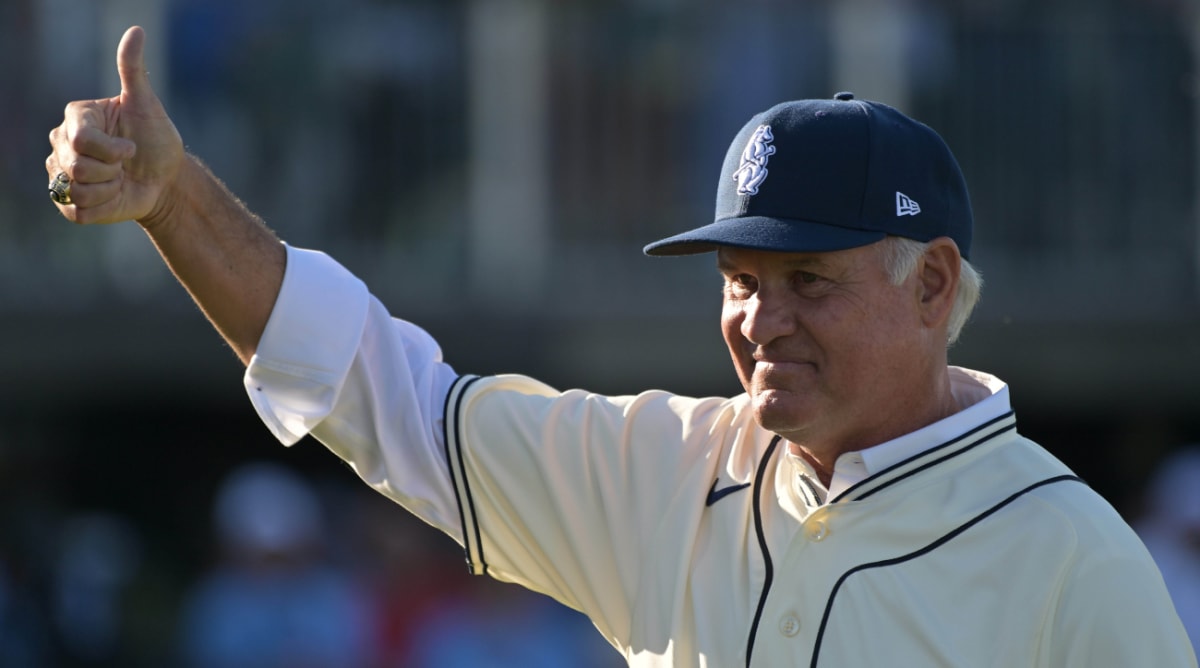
x=228 y=260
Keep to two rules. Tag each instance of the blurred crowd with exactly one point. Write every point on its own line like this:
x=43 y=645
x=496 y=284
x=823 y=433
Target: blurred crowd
x=1169 y=524
x=298 y=576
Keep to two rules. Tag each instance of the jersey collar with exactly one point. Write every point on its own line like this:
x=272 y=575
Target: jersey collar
x=984 y=398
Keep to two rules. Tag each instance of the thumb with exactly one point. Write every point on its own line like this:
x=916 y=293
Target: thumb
x=131 y=65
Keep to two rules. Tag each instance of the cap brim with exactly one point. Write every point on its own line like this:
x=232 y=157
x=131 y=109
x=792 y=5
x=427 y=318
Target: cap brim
x=764 y=233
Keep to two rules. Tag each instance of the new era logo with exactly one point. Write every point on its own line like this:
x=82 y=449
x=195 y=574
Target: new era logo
x=906 y=206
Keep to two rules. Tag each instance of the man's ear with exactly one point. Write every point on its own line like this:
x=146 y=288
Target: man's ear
x=938 y=273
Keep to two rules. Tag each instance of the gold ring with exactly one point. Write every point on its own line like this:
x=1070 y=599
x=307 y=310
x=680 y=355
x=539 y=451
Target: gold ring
x=60 y=188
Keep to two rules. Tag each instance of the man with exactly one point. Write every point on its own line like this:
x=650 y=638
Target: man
x=862 y=503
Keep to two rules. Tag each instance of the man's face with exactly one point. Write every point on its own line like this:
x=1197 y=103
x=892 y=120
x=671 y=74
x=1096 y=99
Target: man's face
x=826 y=346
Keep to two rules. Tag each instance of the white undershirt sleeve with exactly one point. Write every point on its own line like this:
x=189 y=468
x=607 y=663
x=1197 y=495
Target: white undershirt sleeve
x=333 y=363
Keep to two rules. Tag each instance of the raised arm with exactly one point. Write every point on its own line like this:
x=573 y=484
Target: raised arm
x=125 y=161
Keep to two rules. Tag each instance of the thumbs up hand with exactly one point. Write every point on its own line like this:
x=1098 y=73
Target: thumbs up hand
x=122 y=154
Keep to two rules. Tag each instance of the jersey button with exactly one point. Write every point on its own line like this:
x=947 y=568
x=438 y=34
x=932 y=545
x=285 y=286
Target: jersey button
x=817 y=530
x=789 y=625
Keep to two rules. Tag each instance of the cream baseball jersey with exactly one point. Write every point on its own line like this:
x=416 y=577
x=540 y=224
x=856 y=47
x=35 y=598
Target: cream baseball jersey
x=691 y=537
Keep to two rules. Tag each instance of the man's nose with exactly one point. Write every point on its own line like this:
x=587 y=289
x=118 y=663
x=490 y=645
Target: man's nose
x=766 y=318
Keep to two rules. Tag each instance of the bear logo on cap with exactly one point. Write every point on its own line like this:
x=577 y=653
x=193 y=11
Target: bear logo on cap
x=753 y=169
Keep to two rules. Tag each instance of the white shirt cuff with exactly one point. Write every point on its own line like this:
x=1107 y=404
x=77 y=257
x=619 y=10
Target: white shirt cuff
x=309 y=343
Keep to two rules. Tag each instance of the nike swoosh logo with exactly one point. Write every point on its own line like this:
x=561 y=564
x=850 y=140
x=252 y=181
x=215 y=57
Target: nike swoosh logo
x=715 y=494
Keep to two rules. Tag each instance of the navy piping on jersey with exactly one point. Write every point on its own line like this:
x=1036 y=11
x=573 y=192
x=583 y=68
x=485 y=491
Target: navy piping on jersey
x=925 y=453
x=925 y=550
x=812 y=490
x=762 y=544
x=451 y=418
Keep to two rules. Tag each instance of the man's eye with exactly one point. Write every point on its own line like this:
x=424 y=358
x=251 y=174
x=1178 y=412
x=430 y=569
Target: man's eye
x=806 y=277
x=740 y=285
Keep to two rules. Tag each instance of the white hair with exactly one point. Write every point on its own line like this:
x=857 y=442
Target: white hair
x=900 y=259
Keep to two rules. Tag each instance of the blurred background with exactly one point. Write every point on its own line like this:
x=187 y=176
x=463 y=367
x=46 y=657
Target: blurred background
x=492 y=169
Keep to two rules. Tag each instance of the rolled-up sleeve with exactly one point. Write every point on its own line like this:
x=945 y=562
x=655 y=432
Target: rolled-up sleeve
x=307 y=346
x=333 y=363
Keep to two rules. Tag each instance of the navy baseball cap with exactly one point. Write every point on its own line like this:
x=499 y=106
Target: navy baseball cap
x=825 y=175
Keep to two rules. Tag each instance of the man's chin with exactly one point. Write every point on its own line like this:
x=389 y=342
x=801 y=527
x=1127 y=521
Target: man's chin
x=780 y=412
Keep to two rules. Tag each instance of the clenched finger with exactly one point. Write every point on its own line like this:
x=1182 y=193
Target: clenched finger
x=92 y=142
x=92 y=195
x=97 y=213
x=90 y=170
x=85 y=130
